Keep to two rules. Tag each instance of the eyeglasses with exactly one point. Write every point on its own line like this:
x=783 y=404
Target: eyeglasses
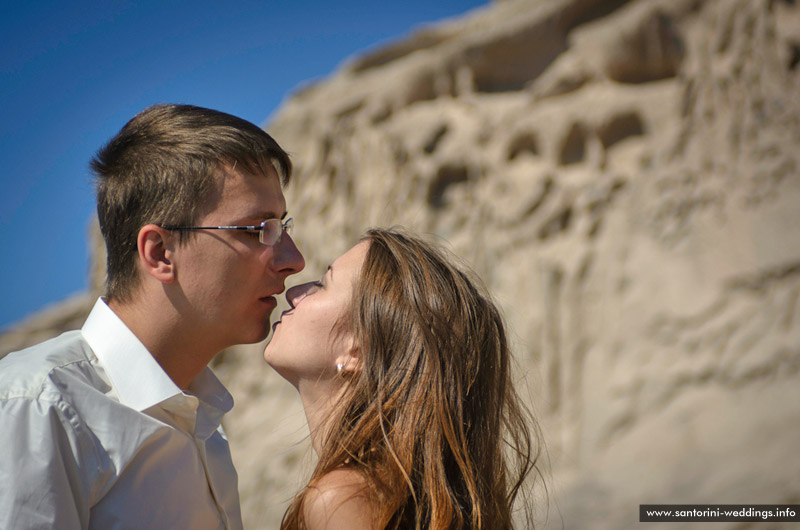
x=269 y=231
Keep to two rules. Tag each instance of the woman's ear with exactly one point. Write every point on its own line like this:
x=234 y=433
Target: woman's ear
x=349 y=363
x=155 y=253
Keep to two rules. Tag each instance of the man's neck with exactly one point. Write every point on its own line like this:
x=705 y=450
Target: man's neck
x=181 y=353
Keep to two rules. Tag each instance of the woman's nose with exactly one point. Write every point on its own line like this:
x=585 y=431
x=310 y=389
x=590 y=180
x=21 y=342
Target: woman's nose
x=298 y=292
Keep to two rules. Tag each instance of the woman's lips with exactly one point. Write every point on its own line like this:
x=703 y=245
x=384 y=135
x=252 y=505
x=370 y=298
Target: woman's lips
x=280 y=318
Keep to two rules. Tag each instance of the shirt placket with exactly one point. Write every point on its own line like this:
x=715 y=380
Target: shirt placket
x=201 y=449
x=185 y=409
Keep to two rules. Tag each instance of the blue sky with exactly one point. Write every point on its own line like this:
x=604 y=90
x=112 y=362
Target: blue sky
x=72 y=73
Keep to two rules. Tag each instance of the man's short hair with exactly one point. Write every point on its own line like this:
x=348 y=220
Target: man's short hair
x=160 y=168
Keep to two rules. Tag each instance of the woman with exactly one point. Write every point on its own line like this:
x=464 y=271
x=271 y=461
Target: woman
x=402 y=365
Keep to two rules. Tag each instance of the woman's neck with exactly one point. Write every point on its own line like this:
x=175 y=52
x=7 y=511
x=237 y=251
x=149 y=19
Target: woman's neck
x=319 y=406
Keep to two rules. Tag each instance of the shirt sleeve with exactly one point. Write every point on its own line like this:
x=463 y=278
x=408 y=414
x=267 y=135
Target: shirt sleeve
x=44 y=482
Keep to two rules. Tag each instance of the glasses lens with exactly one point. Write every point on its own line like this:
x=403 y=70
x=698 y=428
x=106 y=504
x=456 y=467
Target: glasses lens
x=270 y=231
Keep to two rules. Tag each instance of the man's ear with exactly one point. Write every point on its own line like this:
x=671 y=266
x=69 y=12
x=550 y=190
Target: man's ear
x=155 y=252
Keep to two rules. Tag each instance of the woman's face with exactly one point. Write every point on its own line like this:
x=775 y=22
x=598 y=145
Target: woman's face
x=305 y=347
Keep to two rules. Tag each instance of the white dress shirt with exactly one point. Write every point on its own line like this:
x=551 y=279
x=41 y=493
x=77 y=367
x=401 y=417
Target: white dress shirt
x=94 y=434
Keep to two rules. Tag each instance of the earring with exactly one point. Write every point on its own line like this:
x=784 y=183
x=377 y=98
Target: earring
x=339 y=368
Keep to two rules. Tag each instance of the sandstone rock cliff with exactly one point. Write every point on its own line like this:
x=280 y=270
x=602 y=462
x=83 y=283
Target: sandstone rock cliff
x=624 y=176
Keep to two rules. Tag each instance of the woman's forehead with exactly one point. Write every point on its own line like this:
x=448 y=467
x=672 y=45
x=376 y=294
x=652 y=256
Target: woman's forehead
x=350 y=262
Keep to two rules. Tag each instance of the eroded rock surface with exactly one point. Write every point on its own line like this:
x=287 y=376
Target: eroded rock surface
x=624 y=176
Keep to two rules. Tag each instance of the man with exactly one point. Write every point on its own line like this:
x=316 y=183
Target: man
x=118 y=425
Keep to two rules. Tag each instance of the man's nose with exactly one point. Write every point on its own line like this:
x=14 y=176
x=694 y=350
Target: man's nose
x=287 y=258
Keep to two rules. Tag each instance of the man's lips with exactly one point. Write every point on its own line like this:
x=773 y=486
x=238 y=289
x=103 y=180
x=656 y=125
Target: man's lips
x=270 y=300
x=271 y=297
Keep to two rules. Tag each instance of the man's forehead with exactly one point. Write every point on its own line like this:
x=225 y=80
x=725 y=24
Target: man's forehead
x=236 y=169
x=247 y=195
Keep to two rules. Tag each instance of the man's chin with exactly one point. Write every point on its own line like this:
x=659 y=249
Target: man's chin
x=256 y=335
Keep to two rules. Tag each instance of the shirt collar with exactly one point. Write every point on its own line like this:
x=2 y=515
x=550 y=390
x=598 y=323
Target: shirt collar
x=215 y=401
x=138 y=379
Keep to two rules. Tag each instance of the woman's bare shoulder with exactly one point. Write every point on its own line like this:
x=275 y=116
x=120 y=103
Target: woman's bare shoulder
x=339 y=500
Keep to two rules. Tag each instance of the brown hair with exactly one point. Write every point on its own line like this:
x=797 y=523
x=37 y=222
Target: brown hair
x=161 y=166
x=432 y=421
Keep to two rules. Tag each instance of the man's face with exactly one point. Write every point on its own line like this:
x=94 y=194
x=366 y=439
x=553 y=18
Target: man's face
x=227 y=279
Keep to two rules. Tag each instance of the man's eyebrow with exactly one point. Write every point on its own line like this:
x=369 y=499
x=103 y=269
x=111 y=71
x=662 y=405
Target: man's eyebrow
x=265 y=215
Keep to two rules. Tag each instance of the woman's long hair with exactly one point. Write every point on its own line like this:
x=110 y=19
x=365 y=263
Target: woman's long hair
x=431 y=421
